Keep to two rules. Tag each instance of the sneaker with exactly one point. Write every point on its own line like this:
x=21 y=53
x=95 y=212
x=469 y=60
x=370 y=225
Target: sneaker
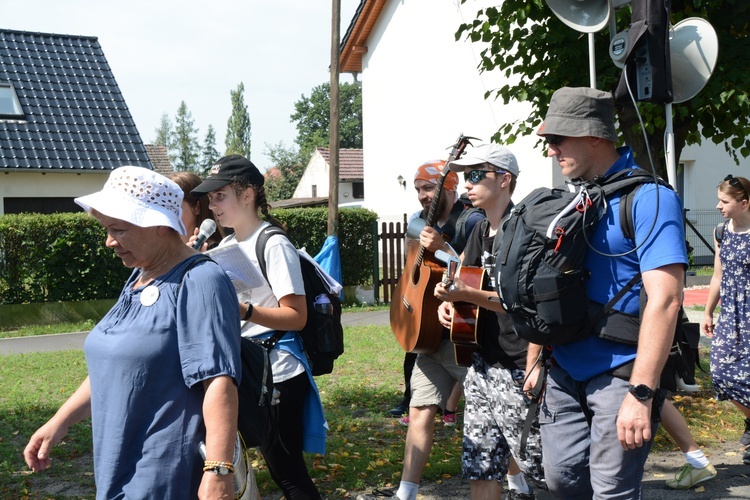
x=378 y=493
x=688 y=476
x=746 y=456
x=400 y=409
x=449 y=418
x=517 y=495
x=745 y=439
x=404 y=420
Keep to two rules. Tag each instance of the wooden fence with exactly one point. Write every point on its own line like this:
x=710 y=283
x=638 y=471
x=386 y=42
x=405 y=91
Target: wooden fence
x=389 y=258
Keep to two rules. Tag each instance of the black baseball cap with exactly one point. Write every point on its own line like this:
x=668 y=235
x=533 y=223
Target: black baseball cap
x=226 y=170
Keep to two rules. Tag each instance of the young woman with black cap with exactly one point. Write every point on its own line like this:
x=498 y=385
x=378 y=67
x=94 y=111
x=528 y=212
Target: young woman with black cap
x=237 y=199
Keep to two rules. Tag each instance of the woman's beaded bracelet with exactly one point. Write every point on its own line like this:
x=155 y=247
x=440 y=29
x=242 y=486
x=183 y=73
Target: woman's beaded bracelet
x=210 y=465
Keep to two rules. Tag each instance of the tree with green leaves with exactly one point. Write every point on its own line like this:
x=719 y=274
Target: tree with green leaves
x=185 y=140
x=237 y=140
x=289 y=165
x=164 y=132
x=539 y=54
x=209 y=154
x=312 y=115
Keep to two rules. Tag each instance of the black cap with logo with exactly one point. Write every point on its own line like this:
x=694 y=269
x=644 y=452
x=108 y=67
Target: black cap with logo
x=227 y=170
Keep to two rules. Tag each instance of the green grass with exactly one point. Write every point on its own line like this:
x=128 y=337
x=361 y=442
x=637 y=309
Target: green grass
x=80 y=326
x=365 y=448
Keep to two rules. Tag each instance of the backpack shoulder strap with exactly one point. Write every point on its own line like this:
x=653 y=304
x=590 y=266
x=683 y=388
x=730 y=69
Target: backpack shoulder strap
x=260 y=245
x=719 y=231
x=450 y=227
x=628 y=181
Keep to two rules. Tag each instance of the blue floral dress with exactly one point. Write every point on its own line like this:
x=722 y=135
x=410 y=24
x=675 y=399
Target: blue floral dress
x=730 y=348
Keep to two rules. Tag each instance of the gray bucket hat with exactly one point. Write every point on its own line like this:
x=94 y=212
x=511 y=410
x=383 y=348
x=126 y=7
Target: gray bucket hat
x=580 y=112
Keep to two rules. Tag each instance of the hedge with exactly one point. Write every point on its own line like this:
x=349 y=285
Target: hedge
x=62 y=257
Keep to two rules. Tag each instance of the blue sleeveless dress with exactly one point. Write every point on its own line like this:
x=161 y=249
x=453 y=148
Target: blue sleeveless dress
x=730 y=347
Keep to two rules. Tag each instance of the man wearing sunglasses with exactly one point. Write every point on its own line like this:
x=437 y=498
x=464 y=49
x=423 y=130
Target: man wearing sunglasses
x=432 y=380
x=496 y=406
x=600 y=409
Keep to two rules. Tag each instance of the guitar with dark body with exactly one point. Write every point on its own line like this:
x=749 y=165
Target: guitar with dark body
x=413 y=314
x=465 y=317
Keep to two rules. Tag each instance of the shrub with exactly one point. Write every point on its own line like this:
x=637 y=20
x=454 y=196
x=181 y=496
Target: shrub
x=62 y=257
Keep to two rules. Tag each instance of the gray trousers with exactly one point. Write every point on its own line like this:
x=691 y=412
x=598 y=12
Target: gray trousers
x=582 y=456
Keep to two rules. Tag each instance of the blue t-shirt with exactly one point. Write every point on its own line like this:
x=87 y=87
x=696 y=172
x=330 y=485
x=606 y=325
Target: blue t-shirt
x=664 y=245
x=146 y=361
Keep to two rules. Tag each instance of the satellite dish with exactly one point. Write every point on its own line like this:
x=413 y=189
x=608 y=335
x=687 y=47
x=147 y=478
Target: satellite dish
x=694 y=49
x=586 y=16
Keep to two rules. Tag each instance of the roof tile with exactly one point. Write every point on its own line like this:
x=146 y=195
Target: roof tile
x=76 y=116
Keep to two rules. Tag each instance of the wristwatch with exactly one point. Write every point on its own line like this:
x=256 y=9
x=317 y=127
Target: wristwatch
x=642 y=392
x=219 y=471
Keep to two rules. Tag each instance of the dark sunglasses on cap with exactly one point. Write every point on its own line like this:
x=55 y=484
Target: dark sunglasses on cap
x=477 y=176
x=735 y=182
x=554 y=140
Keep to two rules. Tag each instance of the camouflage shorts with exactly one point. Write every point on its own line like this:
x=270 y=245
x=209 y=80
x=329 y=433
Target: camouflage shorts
x=493 y=422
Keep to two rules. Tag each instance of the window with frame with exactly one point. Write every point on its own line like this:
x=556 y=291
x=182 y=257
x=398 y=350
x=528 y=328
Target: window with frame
x=10 y=107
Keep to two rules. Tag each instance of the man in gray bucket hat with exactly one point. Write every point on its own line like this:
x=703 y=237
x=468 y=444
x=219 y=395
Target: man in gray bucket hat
x=601 y=405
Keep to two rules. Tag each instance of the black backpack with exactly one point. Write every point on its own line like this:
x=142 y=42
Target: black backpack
x=540 y=266
x=323 y=334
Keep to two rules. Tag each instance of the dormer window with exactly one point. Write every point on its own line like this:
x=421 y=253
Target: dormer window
x=10 y=108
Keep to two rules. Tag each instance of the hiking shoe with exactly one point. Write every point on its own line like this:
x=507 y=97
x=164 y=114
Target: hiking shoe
x=745 y=439
x=518 y=495
x=688 y=476
x=449 y=418
x=404 y=420
x=399 y=409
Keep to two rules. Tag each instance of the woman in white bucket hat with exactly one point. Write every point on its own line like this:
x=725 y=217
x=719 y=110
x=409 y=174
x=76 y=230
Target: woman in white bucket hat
x=163 y=363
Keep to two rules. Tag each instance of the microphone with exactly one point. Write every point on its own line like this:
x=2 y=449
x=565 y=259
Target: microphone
x=207 y=228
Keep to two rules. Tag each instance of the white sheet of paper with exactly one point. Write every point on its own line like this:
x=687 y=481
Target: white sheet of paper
x=241 y=270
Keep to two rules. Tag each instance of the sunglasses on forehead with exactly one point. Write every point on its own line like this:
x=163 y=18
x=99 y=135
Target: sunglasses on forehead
x=477 y=176
x=735 y=182
x=554 y=140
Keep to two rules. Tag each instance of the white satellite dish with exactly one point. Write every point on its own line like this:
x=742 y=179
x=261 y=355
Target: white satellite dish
x=586 y=16
x=694 y=49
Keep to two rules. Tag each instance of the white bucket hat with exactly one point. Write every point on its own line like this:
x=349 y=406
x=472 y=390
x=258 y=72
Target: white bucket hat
x=139 y=196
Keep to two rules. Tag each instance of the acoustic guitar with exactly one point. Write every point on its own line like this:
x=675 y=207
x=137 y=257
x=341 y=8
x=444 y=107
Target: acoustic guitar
x=413 y=314
x=465 y=317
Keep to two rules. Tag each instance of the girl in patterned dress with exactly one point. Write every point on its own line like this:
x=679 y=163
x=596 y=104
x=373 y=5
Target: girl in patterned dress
x=730 y=347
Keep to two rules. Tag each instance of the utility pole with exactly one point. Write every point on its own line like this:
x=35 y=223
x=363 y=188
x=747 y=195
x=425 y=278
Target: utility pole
x=333 y=147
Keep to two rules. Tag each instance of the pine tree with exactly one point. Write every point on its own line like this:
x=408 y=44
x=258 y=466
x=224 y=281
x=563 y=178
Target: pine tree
x=209 y=154
x=185 y=140
x=238 y=126
x=164 y=132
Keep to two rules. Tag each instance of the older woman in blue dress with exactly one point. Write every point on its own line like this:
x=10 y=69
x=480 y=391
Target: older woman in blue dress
x=730 y=347
x=163 y=364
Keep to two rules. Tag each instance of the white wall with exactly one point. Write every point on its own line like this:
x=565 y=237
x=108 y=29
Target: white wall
x=49 y=184
x=420 y=90
x=705 y=168
x=315 y=174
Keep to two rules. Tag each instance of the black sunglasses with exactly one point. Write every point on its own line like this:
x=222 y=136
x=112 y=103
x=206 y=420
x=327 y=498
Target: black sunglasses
x=735 y=182
x=554 y=140
x=477 y=176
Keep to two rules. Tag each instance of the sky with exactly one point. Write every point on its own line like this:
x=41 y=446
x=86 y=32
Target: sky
x=163 y=52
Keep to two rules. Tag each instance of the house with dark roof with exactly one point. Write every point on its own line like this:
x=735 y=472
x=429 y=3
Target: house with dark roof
x=314 y=182
x=64 y=124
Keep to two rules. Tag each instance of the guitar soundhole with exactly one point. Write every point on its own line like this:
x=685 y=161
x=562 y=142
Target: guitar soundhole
x=415 y=275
